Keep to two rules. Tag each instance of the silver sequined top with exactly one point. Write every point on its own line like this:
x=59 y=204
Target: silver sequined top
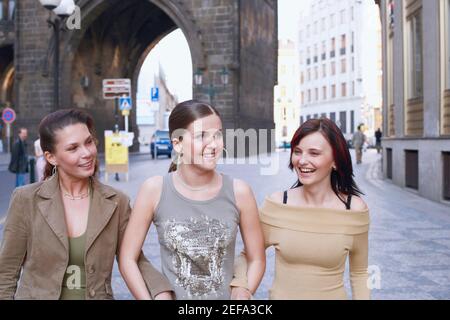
x=197 y=241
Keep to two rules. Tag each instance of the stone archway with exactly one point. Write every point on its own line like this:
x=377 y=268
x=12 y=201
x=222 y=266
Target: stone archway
x=114 y=38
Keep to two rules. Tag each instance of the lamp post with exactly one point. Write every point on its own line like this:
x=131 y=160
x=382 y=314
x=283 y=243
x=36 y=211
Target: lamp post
x=210 y=89
x=62 y=9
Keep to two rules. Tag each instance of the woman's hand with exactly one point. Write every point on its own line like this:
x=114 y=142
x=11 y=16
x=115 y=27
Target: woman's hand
x=240 y=293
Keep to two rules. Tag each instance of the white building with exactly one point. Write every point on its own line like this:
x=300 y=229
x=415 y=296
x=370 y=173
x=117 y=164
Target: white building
x=286 y=111
x=340 y=64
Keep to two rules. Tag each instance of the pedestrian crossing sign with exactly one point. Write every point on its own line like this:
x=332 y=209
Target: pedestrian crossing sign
x=125 y=103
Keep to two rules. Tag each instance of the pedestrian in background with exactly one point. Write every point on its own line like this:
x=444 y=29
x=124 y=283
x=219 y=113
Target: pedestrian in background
x=359 y=138
x=61 y=235
x=378 y=136
x=19 y=158
x=317 y=224
x=40 y=160
x=197 y=212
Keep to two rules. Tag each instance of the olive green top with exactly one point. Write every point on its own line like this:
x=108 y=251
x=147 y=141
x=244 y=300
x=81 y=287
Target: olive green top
x=74 y=283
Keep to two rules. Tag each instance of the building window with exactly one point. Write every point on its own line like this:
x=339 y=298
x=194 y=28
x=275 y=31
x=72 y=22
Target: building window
x=344 y=90
x=302 y=78
x=308 y=73
x=316 y=53
x=308 y=117
x=447 y=39
x=389 y=163
x=343 y=65
x=332 y=21
x=333 y=91
x=333 y=48
x=303 y=97
x=324 y=70
x=324 y=93
x=446 y=175
x=301 y=120
x=333 y=116
x=324 y=50
x=353 y=64
x=415 y=55
x=343 y=44
x=333 y=68
x=316 y=73
x=352 y=45
x=352 y=13
x=309 y=95
x=323 y=115
x=316 y=91
x=316 y=116
x=352 y=121
x=353 y=88
x=412 y=169
x=343 y=121
x=324 y=24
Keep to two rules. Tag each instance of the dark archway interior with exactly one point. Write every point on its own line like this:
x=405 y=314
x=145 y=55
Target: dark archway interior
x=112 y=47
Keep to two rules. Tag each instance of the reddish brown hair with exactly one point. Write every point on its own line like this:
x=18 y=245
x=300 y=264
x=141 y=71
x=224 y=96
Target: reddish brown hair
x=342 y=180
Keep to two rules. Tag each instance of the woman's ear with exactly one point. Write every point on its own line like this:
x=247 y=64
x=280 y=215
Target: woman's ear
x=50 y=158
x=177 y=145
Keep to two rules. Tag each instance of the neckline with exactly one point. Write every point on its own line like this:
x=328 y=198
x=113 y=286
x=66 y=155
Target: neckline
x=178 y=194
x=79 y=237
x=332 y=210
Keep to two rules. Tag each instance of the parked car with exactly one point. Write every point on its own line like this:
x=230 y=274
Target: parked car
x=161 y=144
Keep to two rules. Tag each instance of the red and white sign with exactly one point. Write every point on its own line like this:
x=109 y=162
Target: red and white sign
x=116 y=88
x=8 y=115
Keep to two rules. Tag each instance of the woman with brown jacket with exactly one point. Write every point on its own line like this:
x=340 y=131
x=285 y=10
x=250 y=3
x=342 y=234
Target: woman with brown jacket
x=61 y=235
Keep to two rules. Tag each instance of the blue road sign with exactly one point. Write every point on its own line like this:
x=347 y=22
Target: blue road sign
x=155 y=94
x=8 y=115
x=125 y=103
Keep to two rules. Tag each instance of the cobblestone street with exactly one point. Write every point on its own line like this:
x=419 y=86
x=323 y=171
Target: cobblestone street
x=409 y=235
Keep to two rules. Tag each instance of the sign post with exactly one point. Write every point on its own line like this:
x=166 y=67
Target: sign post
x=8 y=116
x=125 y=106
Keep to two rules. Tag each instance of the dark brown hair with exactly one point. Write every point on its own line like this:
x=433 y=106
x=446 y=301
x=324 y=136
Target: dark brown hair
x=342 y=180
x=184 y=114
x=58 y=120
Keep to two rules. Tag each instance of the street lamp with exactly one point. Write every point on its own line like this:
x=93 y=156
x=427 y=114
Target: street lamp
x=62 y=9
x=210 y=90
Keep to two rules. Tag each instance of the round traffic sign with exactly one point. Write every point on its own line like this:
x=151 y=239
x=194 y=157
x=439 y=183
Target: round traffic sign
x=8 y=115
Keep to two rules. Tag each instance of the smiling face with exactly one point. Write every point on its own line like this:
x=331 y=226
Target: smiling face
x=75 y=152
x=313 y=159
x=202 y=143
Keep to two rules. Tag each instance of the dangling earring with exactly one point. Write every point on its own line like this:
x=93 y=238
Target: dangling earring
x=179 y=156
x=54 y=170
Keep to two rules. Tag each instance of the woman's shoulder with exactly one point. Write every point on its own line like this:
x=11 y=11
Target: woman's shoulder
x=358 y=204
x=153 y=184
x=277 y=196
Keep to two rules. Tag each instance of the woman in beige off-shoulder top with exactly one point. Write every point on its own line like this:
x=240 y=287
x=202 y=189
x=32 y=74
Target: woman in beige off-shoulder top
x=315 y=225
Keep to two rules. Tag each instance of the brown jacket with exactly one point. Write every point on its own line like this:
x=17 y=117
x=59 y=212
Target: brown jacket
x=35 y=242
